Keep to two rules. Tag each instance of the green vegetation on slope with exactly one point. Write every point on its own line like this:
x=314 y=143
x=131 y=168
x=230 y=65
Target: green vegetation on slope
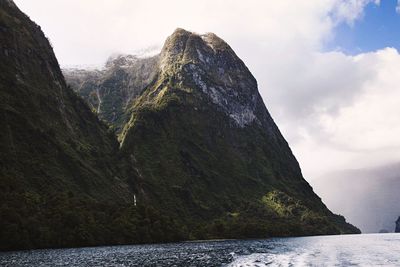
x=221 y=181
x=33 y=220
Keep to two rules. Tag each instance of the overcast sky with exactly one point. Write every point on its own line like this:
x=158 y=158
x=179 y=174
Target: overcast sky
x=328 y=70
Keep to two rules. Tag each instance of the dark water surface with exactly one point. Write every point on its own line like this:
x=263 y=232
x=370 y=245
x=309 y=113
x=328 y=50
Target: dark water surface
x=349 y=250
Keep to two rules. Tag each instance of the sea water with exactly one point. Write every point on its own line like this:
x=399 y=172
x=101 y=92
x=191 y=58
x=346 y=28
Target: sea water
x=344 y=250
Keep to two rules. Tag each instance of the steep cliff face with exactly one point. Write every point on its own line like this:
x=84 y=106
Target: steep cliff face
x=48 y=131
x=57 y=160
x=209 y=152
x=111 y=90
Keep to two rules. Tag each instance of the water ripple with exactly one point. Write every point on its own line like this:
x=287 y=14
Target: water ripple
x=350 y=250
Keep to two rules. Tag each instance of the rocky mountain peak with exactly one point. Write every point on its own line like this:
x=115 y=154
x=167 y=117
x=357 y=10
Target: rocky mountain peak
x=207 y=50
x=209 y=63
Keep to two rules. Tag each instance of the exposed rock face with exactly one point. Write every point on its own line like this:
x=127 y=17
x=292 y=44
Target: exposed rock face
x=214 y=68
x=397 y=230
x=207 y=147
x=111 y=91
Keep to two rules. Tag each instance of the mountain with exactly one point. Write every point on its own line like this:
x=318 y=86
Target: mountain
x=208 y=150
x=111 y=90
x=198 y=154
x=369 y=197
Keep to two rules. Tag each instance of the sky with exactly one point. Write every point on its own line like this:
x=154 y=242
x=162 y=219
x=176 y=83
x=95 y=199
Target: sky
x=328 y=70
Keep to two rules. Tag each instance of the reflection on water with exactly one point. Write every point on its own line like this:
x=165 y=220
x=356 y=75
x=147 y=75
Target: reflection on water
x=350 y=250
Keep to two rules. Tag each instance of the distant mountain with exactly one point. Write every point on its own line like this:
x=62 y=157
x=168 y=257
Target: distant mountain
x=199 y=155
x=368 y=198
x=110 y=91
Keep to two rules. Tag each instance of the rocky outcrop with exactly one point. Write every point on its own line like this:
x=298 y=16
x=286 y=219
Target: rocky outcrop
x=397 y=229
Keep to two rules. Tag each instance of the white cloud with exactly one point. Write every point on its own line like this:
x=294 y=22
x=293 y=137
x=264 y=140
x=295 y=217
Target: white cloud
x=366 y=122
x=335 y=110
x=398 y=6
x=350 y=10
x=363 y=130
x=88 y=31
